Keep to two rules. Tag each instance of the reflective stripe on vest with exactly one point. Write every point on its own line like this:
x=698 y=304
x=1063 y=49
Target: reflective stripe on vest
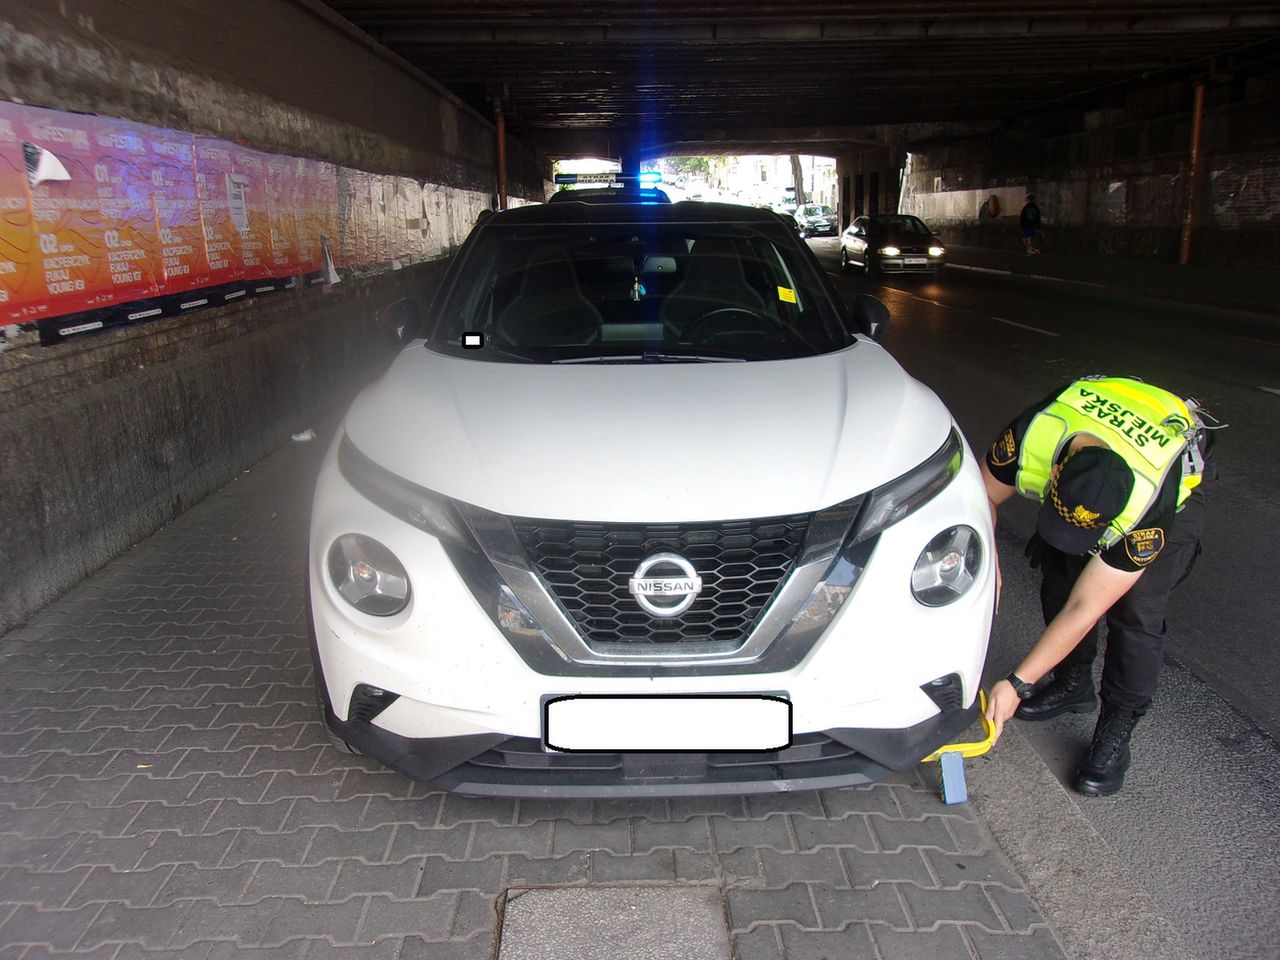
x=1145 y=425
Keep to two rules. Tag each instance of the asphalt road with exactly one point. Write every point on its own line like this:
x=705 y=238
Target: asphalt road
x=1198 y=822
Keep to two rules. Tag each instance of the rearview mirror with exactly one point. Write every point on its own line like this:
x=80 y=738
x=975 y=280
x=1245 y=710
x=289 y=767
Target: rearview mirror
x=870 y=316
x=402 y=321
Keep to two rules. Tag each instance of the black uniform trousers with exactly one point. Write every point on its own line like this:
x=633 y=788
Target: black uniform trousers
x=1136 y=628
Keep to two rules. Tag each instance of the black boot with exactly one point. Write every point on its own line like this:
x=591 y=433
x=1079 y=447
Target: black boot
x=1102 y=772
x=1071 y=689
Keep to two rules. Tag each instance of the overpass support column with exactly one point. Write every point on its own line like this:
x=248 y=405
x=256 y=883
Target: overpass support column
x=500 y=122
x=1193 y=177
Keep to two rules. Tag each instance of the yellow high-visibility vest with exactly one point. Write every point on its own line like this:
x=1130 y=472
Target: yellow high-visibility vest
x=1147 y=426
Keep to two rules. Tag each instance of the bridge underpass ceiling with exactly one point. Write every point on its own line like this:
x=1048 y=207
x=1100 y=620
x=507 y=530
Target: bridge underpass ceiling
x=796 y=74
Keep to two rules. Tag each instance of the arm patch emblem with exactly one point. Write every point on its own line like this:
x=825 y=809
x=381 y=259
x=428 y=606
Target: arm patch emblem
x=1004 y=451
x=1143 y=546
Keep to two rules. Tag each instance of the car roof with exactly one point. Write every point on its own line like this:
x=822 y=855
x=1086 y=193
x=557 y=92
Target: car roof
x=686 y=211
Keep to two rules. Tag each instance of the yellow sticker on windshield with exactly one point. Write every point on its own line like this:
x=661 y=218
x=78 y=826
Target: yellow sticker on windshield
x=786 y=295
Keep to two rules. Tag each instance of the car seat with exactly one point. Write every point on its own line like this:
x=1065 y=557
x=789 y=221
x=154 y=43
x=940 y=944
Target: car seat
x=550 y=309
x=713 y=278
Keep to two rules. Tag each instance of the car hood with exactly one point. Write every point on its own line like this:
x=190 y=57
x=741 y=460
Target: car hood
x=901 y=238
x=649 y=442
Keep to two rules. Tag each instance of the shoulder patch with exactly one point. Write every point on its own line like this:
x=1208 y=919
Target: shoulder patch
x=1004 y=451
x=1143 y=546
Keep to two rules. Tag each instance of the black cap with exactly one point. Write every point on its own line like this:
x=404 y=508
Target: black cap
x=1089 y=492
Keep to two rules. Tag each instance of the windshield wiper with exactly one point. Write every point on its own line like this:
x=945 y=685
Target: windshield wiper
x=490 y=348
x=654 y=358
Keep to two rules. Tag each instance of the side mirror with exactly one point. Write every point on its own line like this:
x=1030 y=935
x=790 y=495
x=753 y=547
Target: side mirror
x=870 y=316
x=402 y=321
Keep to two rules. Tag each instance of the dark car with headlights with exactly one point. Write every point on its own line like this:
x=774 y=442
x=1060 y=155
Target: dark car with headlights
x=816 y=220
x=891 y=243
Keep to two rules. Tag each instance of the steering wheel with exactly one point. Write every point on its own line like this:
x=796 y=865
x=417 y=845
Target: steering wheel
x=704 y=324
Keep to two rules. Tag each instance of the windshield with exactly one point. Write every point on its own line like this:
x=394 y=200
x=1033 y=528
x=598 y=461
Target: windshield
x=652 y=292
x=817 y=210
x=901 y=225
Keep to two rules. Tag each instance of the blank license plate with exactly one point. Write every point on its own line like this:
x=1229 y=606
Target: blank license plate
x=667 y=724
x=916 y=261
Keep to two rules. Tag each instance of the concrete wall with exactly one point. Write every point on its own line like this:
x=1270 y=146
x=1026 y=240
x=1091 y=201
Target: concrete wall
x=106 y=438
x=1112 y=180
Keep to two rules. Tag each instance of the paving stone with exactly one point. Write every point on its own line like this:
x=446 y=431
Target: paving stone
x=136 y=888
x=149 y=927
x=614 y=837
x=692 y=866
x=439 y=874
x=694 y=833
x=234 y=815
x=871 y=798
x=110 y=951
x=803 y=804
x=139 y=763
x=299 y=918
x=929 y=832
x=301 y=761
x=293 y=950
x=456 y=809
x=250 y=846
x=608 y=809
x=838 y=907
x=476 y=913
x=205 y=921
x=83 y=765
x=610 y=868
x=967 y=904
x=95 y=793
x=851 y=831
x=36 y=821
x=47 y=890
x=945 y=943
x=428 y=918
x=821 y=866
x=372 y=783
x=381 y=810
x=534 y=840
x=339 y=814
x=524 y=871
x=173 y=847
x=867 y=869
x=286 y=785
x=215 y=786
x=479 y=947
x=971 y=838
x=760 y=943
x=747 y=907
x=186 y=738
x=170 y=791
x=400 y=881
x=412 y=841
x=222 y=885
x=741 y=867
x=562 y=809
x=1018 y=909
x=953 y=869
x=851 y=943
x=1038 y=945
x=122 y=853
x=916 y=804
x=769 y=832
x=682 y=808
x=186 y=819
x=310 y=883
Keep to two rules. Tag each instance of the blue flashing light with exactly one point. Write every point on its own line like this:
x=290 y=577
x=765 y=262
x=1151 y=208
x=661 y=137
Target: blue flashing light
x=650 y=178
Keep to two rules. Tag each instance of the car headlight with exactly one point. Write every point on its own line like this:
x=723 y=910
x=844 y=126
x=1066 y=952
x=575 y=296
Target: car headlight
x=411 y=503
x=890 y=502
x=368 y=576
x=890 y=251
x=947 y=567
x=936 y=251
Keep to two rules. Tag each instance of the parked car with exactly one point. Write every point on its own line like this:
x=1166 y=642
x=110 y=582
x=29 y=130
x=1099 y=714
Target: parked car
x=891 y=243
x=816 y=220
x=639 y=509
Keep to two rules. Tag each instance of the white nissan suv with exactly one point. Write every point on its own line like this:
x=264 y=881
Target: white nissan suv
x=641 y=510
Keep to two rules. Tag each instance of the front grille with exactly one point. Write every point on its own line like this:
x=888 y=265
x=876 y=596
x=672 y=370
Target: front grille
x=588 y=565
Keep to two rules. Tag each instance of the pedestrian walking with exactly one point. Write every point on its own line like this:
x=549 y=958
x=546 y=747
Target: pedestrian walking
x=1029 y=221
x=1121 y=469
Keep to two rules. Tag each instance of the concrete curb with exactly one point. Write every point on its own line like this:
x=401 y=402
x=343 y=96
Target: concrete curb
x=1095 y=908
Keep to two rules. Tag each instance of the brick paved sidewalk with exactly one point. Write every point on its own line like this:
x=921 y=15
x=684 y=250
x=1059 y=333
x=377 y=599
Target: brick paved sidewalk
x=165 y=786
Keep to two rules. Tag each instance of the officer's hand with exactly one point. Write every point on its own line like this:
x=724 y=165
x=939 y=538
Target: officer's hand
x=1000 y=706
x=1034 y=551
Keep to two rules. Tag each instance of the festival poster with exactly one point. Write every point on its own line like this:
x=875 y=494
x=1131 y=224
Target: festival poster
x=216 y=181
x=284 y=186
x=92 y=248
x=176 y=198
x=355 y=239
x=250 y=211
x=126 y=185
x=415 y=224
x=20 y=269
x=318 y=216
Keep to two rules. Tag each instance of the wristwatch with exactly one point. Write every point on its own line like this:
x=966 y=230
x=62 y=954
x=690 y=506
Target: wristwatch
x=1020 y=686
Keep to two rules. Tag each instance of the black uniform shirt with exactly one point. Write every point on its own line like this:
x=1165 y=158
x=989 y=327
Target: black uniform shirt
x=1141 y=545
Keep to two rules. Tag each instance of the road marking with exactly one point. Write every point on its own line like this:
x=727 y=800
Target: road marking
x=965 y=266
x=1271 y=390
x=1023 y=326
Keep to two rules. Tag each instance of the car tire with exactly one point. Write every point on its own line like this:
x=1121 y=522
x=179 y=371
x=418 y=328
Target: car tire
x=869 y=269
x=844 y=259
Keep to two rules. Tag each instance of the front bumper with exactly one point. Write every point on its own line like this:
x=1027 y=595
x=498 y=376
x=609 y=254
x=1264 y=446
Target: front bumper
x=910 y=264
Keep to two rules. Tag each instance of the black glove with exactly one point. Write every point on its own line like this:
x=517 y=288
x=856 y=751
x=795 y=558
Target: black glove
x=1034 y=550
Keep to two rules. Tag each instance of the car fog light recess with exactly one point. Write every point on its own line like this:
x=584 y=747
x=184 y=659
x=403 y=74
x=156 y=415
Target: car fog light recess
x=368 y=576
x=936 y=251
x=947 y=567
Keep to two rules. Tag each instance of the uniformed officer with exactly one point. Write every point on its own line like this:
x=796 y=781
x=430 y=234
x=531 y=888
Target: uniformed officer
x=1120 y=469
